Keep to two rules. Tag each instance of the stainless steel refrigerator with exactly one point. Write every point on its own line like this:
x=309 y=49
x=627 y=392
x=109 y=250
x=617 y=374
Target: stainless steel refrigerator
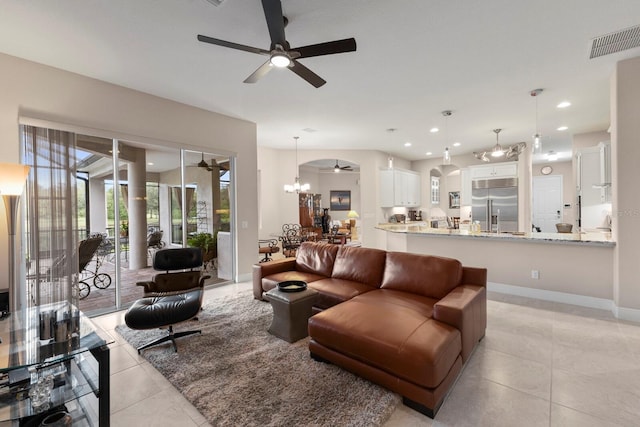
x=495 y=204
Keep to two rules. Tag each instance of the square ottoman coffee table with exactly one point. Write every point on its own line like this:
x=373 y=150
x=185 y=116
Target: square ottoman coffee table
x=291 y=313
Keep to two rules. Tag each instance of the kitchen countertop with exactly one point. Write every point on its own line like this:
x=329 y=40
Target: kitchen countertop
x=583 y=238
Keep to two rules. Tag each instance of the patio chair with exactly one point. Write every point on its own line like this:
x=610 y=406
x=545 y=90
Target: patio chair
x=87 y=249
x=155 y=242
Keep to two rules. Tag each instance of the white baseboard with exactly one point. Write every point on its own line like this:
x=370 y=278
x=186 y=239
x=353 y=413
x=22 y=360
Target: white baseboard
x=630 y=314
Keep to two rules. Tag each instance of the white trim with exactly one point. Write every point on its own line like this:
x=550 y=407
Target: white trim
x=630 y=314
x=554 y=296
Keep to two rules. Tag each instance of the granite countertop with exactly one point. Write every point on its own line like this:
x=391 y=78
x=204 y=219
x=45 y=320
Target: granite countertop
x=588 y=238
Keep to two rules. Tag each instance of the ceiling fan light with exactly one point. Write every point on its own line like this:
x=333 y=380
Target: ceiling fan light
x=497 y=151
x=280 y=60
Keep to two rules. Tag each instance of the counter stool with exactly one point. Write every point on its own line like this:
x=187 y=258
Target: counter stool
x=291 y=313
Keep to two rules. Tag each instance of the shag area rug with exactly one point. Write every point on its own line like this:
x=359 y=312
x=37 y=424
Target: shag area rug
x=236 y=373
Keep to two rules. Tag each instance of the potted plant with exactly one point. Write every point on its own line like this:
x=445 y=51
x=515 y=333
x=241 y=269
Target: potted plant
x=207 y=243
x=124 y=229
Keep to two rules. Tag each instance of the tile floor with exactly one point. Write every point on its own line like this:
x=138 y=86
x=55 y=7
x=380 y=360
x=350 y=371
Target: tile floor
x=540 y=364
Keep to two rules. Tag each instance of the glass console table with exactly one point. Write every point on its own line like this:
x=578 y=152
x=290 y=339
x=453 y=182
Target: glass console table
x=56 y=342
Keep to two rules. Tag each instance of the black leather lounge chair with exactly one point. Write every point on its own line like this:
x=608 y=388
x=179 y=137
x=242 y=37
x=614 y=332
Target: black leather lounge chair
x=171 y=297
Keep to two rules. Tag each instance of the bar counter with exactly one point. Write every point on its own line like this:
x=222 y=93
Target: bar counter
x=565 y=267
x=583 y=238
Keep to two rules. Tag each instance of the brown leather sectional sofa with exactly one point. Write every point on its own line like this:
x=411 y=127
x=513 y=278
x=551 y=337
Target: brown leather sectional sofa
x=405 y=321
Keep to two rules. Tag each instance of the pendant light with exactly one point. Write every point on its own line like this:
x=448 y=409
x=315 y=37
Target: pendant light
x=446 y=157
x=497 y=150
x=296 y=187
x=537 y=138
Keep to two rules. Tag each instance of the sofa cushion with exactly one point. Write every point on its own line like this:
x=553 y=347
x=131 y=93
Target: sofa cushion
x=364 y=265
x=316 y=258
x=424 y=306
x=334 y=291
x=427 y=275
x=397 y=340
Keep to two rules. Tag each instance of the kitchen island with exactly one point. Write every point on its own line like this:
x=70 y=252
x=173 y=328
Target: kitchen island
x=574 y=268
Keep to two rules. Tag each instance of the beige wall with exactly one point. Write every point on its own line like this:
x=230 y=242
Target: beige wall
x=324 y=182
x=32 y=90
x=568 y=268
x=625 y=152
x=277 y=207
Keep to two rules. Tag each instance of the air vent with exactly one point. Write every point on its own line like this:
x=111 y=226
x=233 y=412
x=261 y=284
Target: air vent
x=615 y=42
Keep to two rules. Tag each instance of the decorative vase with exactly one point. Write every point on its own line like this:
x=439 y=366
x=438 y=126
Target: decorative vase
x=57 y=419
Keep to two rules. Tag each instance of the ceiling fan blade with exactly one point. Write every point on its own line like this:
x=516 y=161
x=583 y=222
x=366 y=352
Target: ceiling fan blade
x=307 y=74
x=259 y=73
x=275 y=22
x=327 y=48
x=232 y=45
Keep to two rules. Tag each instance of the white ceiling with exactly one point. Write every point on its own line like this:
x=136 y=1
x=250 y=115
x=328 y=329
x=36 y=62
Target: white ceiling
x=414 y=59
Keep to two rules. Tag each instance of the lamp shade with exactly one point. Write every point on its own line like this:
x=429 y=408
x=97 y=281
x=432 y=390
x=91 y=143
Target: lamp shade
x=12 y=178
x=353 y=214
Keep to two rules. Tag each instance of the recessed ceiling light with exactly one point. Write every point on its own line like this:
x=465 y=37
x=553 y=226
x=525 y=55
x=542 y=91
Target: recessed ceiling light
x=564 y=104
x=434 y=130
x=150 y=164
x=561 y=128
x=429 y=153
x=456 y=144
x=407 y=144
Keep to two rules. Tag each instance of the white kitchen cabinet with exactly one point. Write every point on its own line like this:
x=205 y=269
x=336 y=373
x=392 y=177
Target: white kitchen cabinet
x=498 y=170
x=399 y=188
x=465 y=187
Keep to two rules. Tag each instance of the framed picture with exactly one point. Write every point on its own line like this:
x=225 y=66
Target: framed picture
x=454 y=200
x=340 y=200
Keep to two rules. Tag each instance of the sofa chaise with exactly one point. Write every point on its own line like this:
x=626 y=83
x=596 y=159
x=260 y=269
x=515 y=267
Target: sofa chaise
x=405 y=321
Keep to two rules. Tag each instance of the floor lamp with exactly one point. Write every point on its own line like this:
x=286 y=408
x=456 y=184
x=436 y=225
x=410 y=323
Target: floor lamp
x=352 y=215
x=12 y=179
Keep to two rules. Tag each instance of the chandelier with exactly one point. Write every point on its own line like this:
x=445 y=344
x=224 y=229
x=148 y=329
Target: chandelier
x=296 y=187
x=498 y=151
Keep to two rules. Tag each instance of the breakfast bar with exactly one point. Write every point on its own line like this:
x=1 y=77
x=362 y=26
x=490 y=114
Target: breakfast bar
x=564 y=267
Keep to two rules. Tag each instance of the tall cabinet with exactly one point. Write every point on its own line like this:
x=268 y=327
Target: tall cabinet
x=310 y=208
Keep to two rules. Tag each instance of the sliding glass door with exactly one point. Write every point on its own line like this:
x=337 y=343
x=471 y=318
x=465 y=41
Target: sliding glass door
x=129 y=200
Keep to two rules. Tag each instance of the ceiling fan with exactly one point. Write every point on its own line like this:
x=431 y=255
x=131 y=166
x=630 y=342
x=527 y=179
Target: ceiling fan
x=222 y=167
x=280 y=53
x=338 y=168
